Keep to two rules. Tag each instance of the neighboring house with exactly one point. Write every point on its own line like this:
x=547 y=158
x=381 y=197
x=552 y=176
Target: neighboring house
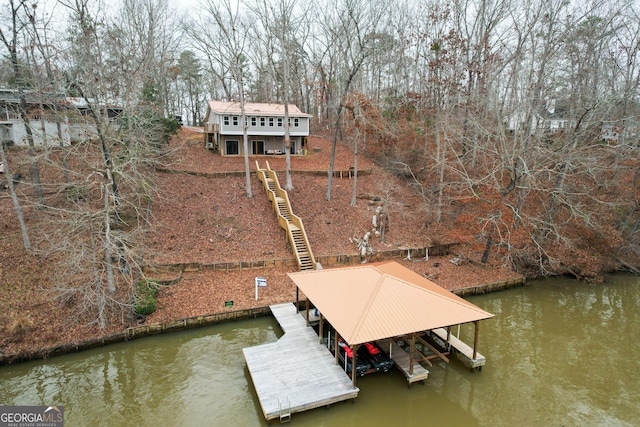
x=13 y=129
x=553 y=117
x=223 y=130
x=81 y=124
x=556 y=116
x=620 y=131
x=75 y=118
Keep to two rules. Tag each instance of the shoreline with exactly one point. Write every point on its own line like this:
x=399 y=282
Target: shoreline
x=141 y=331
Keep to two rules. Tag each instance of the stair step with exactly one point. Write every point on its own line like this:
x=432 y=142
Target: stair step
x=298 y=239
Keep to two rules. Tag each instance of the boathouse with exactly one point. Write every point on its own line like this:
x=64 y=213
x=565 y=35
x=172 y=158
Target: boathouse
x=388 y=303
x=385 y=303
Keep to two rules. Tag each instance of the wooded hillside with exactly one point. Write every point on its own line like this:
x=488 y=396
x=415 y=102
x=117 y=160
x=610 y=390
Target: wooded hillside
x=514 y=126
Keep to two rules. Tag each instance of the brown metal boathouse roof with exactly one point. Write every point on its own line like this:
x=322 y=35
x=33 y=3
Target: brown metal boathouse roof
x=376 y=301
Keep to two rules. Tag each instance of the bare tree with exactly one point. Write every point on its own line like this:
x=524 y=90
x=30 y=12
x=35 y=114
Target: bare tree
x=279 y=22
x=190 y=75
x=230 y=49
x=10 y=42
x=351 y=26
x=48 y=85
x=26 y=242
x=102 y=220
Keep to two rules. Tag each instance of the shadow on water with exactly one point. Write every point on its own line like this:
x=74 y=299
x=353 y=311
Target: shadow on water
x=559 y=352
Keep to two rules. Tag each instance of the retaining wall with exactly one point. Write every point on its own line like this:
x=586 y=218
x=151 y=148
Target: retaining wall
x=211 y=319
x=348 y=173
x=324 y=260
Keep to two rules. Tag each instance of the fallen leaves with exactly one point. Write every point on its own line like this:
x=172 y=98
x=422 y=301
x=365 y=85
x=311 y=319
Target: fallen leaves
x=199 y=218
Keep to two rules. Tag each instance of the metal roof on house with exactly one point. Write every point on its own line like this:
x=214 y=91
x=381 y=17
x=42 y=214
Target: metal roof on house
x=377 y=301
x=255 y=109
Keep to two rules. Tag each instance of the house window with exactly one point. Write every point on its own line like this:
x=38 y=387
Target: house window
x=270 y=122
x=226 y=120
x=254 y=121
x=258 y=147
x=262 y=122
x=296 y=122
x=235 y=120
x=279 y=122
x=232 y=147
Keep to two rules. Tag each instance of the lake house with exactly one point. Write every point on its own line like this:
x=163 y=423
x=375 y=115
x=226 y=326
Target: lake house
x=223 y=128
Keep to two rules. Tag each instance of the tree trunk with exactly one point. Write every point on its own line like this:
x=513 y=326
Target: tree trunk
x=332 y=159
x=487 y=250
x=26 y=243
x=245 y=138
x=440 y=156
x=35 y=170
x=287 y=131
x=11 y=45
x=108 y=251
x=355 y=168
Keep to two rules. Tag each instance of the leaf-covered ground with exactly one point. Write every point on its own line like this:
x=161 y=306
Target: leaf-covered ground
x=200 y=218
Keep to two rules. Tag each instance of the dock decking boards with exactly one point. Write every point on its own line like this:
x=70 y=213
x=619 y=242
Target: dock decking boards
x=462 y=350
x=295 y=373
x=401 y=360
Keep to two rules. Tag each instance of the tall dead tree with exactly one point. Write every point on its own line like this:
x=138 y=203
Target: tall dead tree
x=351 y=26
x=280 y=22
x=10 y=41
x=26 y=242
x=102 y=224
x=229 y=47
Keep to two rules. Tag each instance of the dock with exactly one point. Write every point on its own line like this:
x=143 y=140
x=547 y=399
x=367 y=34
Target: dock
x=401 y=359
x=462 y=350
x=295 y=373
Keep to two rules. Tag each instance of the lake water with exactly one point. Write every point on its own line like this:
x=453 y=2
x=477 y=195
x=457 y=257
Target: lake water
x=559 y=353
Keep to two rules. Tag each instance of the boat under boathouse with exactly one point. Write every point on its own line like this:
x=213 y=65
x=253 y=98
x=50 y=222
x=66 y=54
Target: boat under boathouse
x=402 y=312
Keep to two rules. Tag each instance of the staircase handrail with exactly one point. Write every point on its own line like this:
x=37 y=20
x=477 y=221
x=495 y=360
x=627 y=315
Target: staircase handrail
x=295 y=220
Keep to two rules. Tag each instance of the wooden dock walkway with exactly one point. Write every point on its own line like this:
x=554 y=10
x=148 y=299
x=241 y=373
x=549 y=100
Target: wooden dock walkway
x=295 y=373
x=462 y=350
x=401 y=360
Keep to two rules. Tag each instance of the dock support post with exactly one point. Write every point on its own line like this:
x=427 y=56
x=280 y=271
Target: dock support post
x=411 y=353
x=449 y=338
x=306 y=306
x=353 y=366
x=297 y=299
x=475 y=339
x=320 y=331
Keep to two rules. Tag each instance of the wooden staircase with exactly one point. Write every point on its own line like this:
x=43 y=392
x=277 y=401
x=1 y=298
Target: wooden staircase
x=291 y=223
